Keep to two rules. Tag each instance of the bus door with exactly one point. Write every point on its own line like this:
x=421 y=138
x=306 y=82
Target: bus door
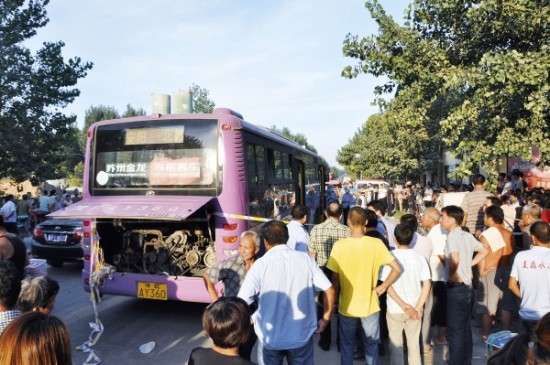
x=301 y=176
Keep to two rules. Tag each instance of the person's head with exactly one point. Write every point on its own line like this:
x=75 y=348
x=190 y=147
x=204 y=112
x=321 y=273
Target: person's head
x=275 y=233
x=35 y=338
x=38 y=294
x=10 y=285
x=504 y=199
x=541 y=348
x=298 y=212
x=451 y=217
x=540 y=233
x=478 y=180
x=52 y=192
x=431 y=217
x=250 y=245
x=404 y=233
x=494 y=215
x=514 y=195
x=514 y=352
x=372 y=219
x=25 y=197
x=334 y=210
x=8 y=197
x=357 y=217
x=530 y=213
x=227 y=322
x=378 y=206
x=411 y=220
x=491 y=200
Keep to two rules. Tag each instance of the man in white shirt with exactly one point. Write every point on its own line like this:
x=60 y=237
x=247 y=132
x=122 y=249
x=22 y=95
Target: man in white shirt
x=9 y=214
x=298 y=238
x=406 y=297
x=530 y=277
x=435 y=310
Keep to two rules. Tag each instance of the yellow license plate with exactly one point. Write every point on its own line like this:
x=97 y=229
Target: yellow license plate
x=152 y=291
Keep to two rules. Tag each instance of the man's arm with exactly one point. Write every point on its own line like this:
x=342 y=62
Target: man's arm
x=481 y=263
x=480 y=255
x=392 y=277
x=453 y=267
x=426 y=286
x=407 y=308
x=513 y=285
x=328 y=304
x=210 y=288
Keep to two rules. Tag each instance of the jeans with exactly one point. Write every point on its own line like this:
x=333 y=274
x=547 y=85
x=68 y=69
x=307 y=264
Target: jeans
x=299 y=356
x=459 y=332
x=370 y=334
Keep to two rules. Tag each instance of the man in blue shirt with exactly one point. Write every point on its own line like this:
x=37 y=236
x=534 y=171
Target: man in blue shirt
x=284 y=282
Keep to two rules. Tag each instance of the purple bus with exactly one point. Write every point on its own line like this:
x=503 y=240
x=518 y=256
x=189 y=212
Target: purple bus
x=167 y=196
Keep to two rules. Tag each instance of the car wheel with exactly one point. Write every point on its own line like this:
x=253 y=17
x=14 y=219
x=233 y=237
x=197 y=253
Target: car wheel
x=55 y=263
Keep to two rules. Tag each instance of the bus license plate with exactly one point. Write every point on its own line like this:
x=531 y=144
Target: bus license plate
x=152 y=291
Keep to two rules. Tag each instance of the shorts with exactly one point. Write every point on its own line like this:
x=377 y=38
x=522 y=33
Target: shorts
x=487 y=294
x=509 y=301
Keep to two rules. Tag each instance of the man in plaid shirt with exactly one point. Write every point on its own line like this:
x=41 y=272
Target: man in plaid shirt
x=321 y=240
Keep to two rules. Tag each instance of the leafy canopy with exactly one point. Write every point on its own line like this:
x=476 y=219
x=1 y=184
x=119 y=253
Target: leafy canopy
x=36 y=136
x=471 y=76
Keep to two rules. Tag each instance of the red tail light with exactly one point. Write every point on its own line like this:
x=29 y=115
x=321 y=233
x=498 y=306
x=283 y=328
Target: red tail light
x=77 y=235
x=230 y=227
x=38 y=233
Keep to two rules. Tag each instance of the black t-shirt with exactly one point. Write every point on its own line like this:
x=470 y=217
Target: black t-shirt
x=202 y=356
x=19 y=257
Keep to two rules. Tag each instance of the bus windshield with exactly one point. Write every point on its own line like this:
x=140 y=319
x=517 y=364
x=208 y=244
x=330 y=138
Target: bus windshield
x=176 y=157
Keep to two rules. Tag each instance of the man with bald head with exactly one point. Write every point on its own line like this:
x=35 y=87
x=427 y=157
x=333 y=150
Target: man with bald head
x=435 y=309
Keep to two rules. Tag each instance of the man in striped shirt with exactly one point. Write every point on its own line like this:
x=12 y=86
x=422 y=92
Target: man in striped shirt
x=472 y=205
x=321 y=240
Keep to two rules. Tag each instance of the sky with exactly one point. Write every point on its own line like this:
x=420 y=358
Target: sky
x=275 y=62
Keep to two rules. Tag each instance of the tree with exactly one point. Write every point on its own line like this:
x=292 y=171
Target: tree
x=298 y=138
x=201 y=102
x=472 y=75
x=133 y=112
x=33 y=90
x=95 y=114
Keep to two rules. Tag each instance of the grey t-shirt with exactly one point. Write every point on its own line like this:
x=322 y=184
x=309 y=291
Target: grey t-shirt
x=465 y=244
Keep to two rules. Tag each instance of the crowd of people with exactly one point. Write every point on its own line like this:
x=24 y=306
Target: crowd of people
x=29 y=334
x=31 y=210
x=398 y=278
x=378 y=277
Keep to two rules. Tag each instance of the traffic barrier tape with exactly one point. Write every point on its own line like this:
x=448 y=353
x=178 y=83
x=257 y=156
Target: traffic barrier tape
x=100 y=272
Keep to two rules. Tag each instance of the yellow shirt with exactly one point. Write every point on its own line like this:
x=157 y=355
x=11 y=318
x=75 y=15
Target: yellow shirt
x=357 y=262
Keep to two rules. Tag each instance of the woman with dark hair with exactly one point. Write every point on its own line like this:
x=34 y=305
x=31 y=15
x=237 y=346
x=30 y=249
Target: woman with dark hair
x=38 y=294
x=524 y=350
x=35 y=338
x=227 y=322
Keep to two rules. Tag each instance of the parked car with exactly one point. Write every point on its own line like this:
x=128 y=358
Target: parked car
x=58 y=240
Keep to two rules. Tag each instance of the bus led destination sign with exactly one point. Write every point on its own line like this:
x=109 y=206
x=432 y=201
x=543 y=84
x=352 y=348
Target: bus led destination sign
x=138 y=136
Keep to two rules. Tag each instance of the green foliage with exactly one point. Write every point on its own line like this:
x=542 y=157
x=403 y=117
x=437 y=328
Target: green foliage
x=298 y=138
x=471 y=76
x=201 y=102
x=133 y=112
x=74 y=178
x=36 y=136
